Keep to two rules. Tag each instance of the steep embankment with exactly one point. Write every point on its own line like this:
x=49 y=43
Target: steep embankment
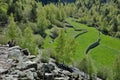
x=104 y=54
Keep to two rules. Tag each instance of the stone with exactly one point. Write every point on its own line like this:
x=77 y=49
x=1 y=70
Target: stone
x=31 y=69
x=27 y=65
x=39 y=66
x=49 y=76
x=3 y=71
x=75 y=75
x=15 y=54
x=14 y=65
x=31 y=56
x=47 y=68
x=14 y=47
x=55 y=72
x=35 y=75
x=25 y=52
x=29 y=75
x=9 y=77
x=61 y=78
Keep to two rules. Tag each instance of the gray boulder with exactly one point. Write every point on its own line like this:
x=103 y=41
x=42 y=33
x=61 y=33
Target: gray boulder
x=47 y=68
x=27 y=65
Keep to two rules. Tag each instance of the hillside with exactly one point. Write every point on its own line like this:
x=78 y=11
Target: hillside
x=78 y=33
x=105 y=53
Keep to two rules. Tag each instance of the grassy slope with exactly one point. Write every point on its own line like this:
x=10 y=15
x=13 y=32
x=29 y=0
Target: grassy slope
x=104 y=53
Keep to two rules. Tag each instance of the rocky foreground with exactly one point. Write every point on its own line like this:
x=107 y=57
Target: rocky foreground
x=18 y=64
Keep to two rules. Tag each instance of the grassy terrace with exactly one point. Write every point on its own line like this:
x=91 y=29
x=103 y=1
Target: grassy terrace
x=103 y=54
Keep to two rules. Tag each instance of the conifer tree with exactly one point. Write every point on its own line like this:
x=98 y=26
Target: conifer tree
x=19 y=36
x=11 y=33
x=65 y=47
x=60 y=43
x=42 y=22
x=29 y=41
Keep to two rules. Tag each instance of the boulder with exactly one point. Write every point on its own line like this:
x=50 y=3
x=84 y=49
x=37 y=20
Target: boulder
x=27 y=65
x=15 y=54
x=48 y=68
x=29 y=75
x=3 y=71
x=18 y=64
x=61 y=78
x=25 y=51
x=49 y=76
x=14 y=47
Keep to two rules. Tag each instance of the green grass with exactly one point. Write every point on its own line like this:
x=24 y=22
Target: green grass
x=103 y=54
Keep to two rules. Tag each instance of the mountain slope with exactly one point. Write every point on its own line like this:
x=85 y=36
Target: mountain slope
x=104 y=54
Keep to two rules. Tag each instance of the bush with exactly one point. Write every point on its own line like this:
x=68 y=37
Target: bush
x=87 y=66
x=3 y=39
x=45 y=56
x=104 y=72
x=54 y=33
x=117 y=34
x=38 y=40
x=59 y=24
x=116 y=68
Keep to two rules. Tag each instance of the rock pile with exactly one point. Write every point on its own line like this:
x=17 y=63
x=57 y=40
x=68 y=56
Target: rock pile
x=16 y=65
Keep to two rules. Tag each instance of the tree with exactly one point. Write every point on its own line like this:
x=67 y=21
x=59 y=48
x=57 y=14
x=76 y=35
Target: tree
x=88 y=67
x=116 y=68
x=19 y=36
x=29 y=41
x=42 y=22
x=16 y=8
x=60 y=43
x=33 y=14
x=65 y=47
x=3 y=15
x=11 y=33
x=14 y=32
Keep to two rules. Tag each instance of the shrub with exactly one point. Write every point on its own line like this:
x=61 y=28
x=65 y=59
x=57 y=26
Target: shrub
x=104 y=72
x=58 y=23
x=87 y=66
x=38 y=40
x=116 y=68
x=54 y=33
x=3 y=39
x=45 y=56
x=117 y=34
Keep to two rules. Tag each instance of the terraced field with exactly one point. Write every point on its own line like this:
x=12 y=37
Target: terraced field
x=103 y=54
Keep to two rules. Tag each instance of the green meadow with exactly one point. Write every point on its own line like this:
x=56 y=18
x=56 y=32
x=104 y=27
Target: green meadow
x=104 y=54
